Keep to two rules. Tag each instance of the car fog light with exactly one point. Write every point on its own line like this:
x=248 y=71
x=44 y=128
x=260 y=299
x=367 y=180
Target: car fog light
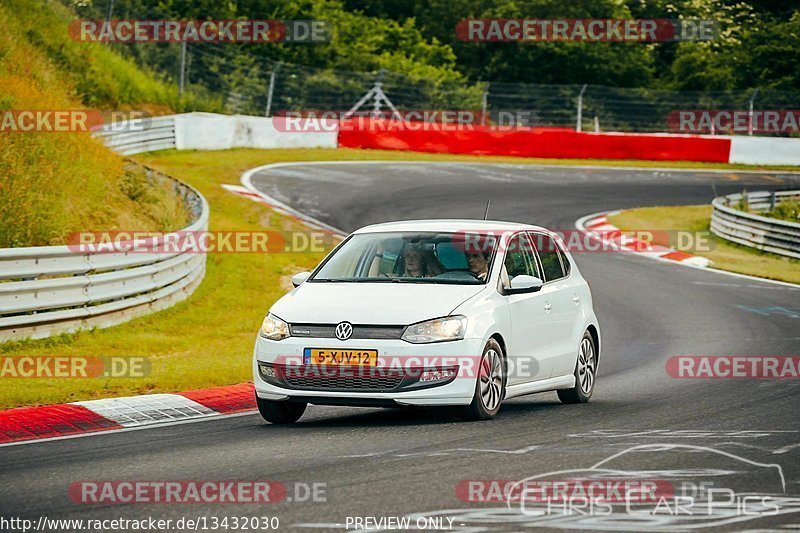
x=266 y=371
x=438 y=374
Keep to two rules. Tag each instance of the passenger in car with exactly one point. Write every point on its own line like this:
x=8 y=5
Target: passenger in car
x=415 y=266
x=420 y=264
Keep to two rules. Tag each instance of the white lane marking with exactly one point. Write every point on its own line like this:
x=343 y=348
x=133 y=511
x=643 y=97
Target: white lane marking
x=775 y=451
x=580 y=224
x=147 y=409
x=520 y=451
x=207 y=418
x=448 y=451
x=739 y=286
x=246 y=180
x=683 y=433
x=769 y=173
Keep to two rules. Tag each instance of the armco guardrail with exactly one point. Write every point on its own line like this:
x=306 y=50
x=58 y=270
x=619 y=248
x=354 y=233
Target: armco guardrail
x=768 y=234
x=46 y=290
x=141 y=135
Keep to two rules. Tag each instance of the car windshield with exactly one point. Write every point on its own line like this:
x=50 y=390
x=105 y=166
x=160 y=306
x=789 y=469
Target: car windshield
x=411 y=257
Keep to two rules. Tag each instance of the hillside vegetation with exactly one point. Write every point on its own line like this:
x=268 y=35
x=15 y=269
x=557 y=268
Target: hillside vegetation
x=56 y=183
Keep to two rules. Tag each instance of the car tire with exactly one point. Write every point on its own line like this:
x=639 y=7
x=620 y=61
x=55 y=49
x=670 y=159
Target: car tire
x=490 y=387
x=280 y=412
x=585 y=373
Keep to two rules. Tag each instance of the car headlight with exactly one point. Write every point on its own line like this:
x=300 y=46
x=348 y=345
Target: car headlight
x=450 y=328
x=274 y=328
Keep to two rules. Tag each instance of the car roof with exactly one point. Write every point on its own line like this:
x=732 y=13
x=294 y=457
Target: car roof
x=448 y=225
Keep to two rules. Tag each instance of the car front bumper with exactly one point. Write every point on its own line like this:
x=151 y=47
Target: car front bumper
x=400 y=366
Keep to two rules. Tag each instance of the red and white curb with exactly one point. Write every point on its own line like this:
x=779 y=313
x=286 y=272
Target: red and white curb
x=50 y=422
x=599 y=226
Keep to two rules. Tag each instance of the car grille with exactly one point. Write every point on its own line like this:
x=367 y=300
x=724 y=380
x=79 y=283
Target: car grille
x=328 y=331
x=345 y=379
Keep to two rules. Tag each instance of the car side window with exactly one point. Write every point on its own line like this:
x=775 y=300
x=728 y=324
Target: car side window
x=548 y=255
x=564 y=261
x=519 y=258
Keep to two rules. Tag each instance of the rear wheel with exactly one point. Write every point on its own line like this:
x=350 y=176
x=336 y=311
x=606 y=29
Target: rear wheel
x=280 y=412
x=490 y=387
x=585 y=373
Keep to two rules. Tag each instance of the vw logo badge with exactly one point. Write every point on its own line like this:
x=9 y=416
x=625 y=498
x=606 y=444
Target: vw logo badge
x=344 y=330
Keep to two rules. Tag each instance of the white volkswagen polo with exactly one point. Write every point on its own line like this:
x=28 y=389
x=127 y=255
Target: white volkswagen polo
x=430 y=313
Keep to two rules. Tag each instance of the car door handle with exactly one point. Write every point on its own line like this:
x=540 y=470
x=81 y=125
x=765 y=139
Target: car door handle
x=576 y=298
x=547 y=306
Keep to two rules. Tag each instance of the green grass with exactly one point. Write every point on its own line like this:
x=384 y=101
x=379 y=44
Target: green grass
x=53 y=184
x=93 y=73
x=725 y=255
x=208 y=339
x=786 y=210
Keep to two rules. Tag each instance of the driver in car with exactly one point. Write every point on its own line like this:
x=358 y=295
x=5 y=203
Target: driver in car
x=478 y=263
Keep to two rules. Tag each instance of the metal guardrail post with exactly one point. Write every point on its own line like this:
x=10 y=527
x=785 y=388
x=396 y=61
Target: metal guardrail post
x=271 y=90
x=183 y=67
x=750 y=113
x=484 y=103
x=578 y=125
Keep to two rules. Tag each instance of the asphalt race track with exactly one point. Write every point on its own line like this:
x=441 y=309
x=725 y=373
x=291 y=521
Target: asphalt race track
x=742 y=435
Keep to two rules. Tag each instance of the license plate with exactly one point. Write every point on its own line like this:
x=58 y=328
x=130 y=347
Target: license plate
x=328 y=356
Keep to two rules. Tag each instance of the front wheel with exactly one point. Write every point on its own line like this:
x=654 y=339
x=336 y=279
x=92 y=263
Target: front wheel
x=490 y=387
x=585 y=373
x=280 y=412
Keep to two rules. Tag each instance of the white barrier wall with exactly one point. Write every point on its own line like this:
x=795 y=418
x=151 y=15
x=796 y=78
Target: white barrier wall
x=210 y=131
x=765 y=151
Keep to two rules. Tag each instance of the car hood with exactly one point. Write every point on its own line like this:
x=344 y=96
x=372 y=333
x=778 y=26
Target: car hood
x=371 y=303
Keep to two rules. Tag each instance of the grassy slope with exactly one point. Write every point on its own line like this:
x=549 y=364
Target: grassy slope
x=725 y=255
x=52 y=184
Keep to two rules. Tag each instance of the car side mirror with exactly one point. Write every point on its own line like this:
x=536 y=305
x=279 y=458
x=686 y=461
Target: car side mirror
x=299 y=278
x=522 y=283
